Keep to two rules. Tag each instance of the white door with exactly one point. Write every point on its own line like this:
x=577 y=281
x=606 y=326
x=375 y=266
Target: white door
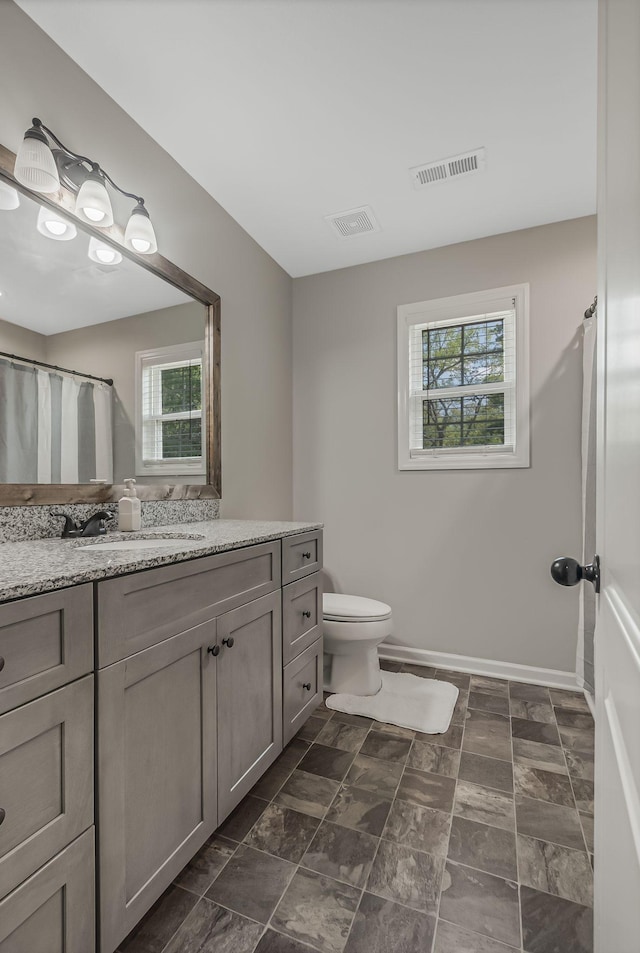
x=617 y=822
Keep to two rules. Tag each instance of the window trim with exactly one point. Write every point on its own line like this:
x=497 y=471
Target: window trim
x=175 y=466
x=447 y=311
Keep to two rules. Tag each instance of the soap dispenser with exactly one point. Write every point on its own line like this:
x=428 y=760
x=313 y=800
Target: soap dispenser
x=129 y=518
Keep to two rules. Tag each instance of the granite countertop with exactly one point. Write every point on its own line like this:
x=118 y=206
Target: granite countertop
x=29 y=568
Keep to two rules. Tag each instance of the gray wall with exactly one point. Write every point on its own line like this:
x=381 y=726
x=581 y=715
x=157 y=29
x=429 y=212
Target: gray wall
x=21 y=341
x=108 y=350
x=461 y=556
x=193 y=231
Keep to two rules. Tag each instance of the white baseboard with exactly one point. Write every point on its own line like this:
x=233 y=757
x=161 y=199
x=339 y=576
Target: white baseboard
x=591 y=702
x=480 y=666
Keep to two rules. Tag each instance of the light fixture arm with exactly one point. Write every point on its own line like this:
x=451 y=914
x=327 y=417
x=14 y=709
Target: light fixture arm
x=79 y=159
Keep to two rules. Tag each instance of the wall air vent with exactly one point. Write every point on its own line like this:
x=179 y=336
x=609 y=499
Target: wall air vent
x=444 y=169
x=355 y=221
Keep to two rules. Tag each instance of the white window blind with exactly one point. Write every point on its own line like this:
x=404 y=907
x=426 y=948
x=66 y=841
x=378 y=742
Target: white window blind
x=463 y=381
x=170 y=420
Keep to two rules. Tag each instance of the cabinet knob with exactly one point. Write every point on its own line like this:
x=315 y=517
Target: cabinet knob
x=3 y=814
x=307 y=685
x=1 y=663
x=228 y=642
x=306 y=555
x=306 y=614
x=214 y=650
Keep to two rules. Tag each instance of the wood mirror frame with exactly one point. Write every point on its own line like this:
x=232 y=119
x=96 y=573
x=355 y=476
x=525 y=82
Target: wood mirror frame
x=20 y=494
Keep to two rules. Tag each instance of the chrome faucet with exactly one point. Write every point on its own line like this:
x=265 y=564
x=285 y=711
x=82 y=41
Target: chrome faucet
x=93 y=526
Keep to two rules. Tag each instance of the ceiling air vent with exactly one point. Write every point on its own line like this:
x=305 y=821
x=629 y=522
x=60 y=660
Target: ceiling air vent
x=453 y=168
x=356 y=221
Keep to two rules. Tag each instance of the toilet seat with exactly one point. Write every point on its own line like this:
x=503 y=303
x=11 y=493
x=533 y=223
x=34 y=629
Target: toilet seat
x=338 y=607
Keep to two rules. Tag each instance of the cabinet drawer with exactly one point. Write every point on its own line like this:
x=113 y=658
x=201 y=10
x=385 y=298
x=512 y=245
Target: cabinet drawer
x=301 y=555
x=46 y=779
x=45 y=642
x=302 y=689
x=144 y=608
x=301 y=615
x=53 y=911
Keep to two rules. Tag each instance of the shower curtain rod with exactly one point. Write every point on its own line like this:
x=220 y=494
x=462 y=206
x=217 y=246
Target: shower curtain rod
x=591 y=310
x=54 y=367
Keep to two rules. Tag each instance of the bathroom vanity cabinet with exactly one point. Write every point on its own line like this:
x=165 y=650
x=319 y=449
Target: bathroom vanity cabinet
x=179 y=682
x=46 y=773
x=204 y=669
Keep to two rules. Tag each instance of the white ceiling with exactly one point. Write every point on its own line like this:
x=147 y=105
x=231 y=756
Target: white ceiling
x=50 y=286
x=290 y=110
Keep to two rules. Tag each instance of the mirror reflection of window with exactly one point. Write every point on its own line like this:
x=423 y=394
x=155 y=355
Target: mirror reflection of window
x=170 y=424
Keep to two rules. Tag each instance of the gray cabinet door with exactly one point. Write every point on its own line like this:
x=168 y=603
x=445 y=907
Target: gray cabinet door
x=45 y=642
x=53 y=911
x=46 y=779
x=157 y=773
x=249 y=697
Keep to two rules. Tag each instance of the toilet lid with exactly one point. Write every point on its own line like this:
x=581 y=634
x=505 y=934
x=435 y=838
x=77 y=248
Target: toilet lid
x=338 y=607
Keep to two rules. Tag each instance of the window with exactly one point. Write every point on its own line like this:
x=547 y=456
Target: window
x=463 y=381
x=170 y=424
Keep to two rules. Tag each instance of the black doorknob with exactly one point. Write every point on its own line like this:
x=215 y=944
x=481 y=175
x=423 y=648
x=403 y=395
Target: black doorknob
x=214 y=650
x=307 y=686
x=306 y=614
x=228 y=642
x=306 y=555
x=568 y=572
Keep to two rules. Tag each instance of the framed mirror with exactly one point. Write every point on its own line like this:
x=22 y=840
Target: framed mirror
x=109 y=361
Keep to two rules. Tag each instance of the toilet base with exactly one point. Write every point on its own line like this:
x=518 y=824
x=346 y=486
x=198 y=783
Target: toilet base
x=353 y=674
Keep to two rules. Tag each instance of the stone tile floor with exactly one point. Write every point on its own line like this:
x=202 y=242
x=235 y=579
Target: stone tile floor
x=366 y=838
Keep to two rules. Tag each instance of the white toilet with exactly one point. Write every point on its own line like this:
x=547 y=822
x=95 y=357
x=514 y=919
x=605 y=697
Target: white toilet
x=353 y=627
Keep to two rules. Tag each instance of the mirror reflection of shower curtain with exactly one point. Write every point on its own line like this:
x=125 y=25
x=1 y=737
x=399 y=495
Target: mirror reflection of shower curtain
x=54 y=428
x=587 y=611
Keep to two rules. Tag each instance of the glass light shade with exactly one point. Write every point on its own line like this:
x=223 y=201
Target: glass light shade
x=54 y=226
x=9 y=198
x=139 y=234
x=103 y=254
x=35 y=166
x=93 y=203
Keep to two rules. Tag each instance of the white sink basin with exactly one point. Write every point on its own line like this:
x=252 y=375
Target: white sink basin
x=156 y=542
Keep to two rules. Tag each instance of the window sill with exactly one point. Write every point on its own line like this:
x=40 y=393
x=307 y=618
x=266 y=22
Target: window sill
x=170 y=471
x=459 y=461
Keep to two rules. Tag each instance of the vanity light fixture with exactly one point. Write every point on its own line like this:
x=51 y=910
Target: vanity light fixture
x=103 y=254
x=43 y=164
x=9 y=198
x=139 y=234
x=54 y=226
x=93 y=202
x=35 y=164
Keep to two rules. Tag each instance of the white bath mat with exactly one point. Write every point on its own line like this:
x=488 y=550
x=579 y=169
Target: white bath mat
x=422 y=704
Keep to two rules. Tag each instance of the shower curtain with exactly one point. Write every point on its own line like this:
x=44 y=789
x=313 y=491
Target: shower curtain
x=54 y=428
x=587 y=610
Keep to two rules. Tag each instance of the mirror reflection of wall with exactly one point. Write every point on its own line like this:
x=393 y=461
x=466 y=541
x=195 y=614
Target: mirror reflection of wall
x=109 y=350
x=60 y=305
